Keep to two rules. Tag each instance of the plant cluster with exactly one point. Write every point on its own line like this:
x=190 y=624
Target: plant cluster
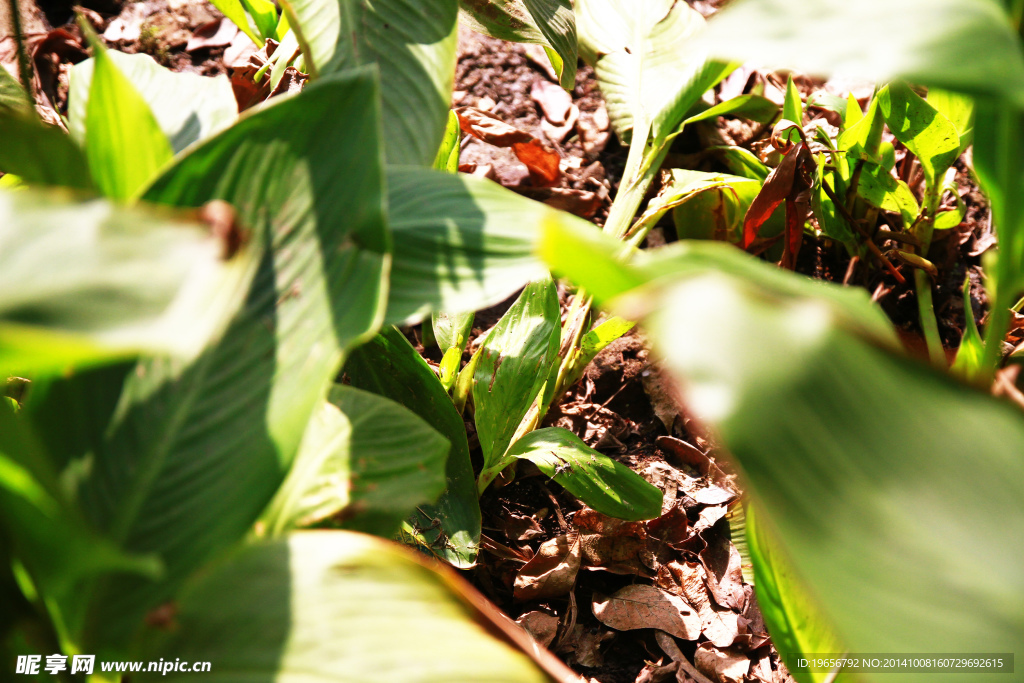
x=186 y=288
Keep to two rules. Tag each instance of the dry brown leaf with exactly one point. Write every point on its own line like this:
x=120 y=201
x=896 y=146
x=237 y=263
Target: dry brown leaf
x=216 y=33
x=724 y=666
x=643 y=606
x=687 y=671
x=663 y=397
x=237 y=53
x=588 y=648
x=709 y=517
x=719 y=625
x=541 y=625
x=613 y=545
x=672 y=528
x=724 y=576
x=552 y=571
x=293 y=80
x=657 y=673
x=542 y=163
x=761 y=669
x=554 y=101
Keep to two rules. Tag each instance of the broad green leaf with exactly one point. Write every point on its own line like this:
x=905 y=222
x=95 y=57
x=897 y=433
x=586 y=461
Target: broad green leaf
x=413 y=45
x=447 y=158
x=334 y=606
x=196 y=451
x=12 y=96
x=924 y=131
x=45 y=533
x=853 y=112
x=188 y=107
x=830 y=219
x=364 y=458
x=863 y=138
x=741 y=162
x=551 y=23
x=648 y=74
x=955 y=44
x=799 y=387
x=882 y=190
x=461 y=243
x=234 y=11
x=41 y=154
x=604 y=484
x=711 y=205
x=514 y=363
x=958 y=109
x=388 y=365
x=823 y=99
x=123 y=142
x=597 y=340
x=794 y=621
x=753 y=107
x=88 y=282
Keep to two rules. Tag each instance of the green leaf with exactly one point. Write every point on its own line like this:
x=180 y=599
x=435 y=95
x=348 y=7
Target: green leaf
x=388 y=365
x=794 y=620
x=753 y=107
x=608 y=486
x=879 y=188
x=447 y=158
x=44 y=532
x=830 y=219
x=792 y=109
x=799 y=386
x=461 y=243
x=86 y=282
x=958 y=109
x=648 y=74
x=741 y=162
x=123 y=141
x=334 y=606
x=41 y=154
x=712 y=205
x=970 y=355
x=197 y=451
x=452 y=330
x=863 y=138
x=853 y=112
x=551 y=23
x=597 y=340
x=264 y=15
x=413 y=45
x=234 y=11
x=12 y=96
x=187 y=107
x=365 y=457
x=956 y=44
x=513 y=366
x=924 y=131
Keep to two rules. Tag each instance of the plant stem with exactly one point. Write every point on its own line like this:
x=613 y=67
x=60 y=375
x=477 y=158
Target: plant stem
x=24 y=64
x=928 y=323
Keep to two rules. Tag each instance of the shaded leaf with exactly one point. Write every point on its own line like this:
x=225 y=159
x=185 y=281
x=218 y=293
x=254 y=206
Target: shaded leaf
x=879 y=188
x=389 y=366
x=337 y=606
x=305 y=175
x=552 y=571
x=41 y=154
x=413 y=45
x=86 y=282
x=461 y=243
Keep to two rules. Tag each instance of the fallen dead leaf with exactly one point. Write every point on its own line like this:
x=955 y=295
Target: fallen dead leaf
x=588 y=647
x=542 y=163
x=724 y=666
x=554 y=101
x=644 y=606
x=657 y=673
x=216 y=33
x=292 y=81
x=237 y=53
x=672 y=528
x=663 y=397
x=552 y=571
x=541 y=625
x=722 y=562
x=614 y=545
x=687 y=671
x=718 y=624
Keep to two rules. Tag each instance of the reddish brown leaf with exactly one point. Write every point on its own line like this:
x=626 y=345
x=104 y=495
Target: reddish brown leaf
x=672 y=527
x=643 y=606
x=552 y=572
x=542 y=163
x=790 y=178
